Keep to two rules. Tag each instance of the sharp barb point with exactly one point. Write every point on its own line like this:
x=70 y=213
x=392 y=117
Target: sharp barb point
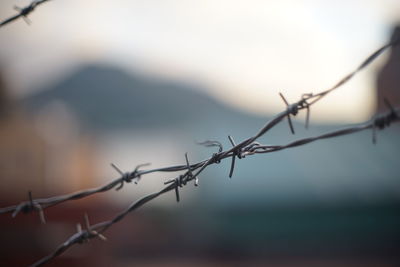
x=117 y=169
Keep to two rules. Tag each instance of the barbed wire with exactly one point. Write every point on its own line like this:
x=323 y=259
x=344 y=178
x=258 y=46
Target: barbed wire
x=23 y=12
x=245 y=148
x=381 y=121
x=126 y=177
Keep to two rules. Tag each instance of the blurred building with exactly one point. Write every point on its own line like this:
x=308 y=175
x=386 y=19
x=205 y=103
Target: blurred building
x=41 y=156
x=22 y=154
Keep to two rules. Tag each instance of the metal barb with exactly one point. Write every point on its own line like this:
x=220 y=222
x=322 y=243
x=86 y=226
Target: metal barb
x=210 y=143
x=288 y=115
x=41 y=214
x=254 y=148
x=27 y=20
x=91 y=231
x=29 y=206
x=307 y=117
x=23 y=12
x=127 y=177
x=117 y=169
x=234 y=154
x=177 y=190
x=189 y=174
x=136 y=171
x=246 y=147
x=305 y=104
x=79 y=228
x=124 y=176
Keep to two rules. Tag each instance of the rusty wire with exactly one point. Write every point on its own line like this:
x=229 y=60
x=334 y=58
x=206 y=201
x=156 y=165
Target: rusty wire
x=192 y=171
x=23 y=12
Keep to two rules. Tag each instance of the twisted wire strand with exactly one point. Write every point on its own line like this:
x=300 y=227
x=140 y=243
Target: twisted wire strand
x=240 y=150
x=292 y=109
x=23 y=12
x=381 y=121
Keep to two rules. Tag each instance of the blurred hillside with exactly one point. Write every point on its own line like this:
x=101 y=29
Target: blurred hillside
x=106 y=98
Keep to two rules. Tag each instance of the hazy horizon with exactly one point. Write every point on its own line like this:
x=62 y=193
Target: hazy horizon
x=242 y=53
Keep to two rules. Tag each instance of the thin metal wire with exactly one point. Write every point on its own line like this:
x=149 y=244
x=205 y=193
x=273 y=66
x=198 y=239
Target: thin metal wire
x=23 y=12
x=245 y=148
x=292 y=109
x=383 y=120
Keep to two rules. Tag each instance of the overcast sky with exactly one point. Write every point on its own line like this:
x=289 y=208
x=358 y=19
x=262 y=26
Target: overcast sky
x=243 y=51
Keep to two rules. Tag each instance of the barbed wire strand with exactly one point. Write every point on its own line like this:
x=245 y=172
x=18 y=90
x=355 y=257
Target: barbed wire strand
x=246 y=147
x=381 y=121
x=292 y=109
x=23 y=12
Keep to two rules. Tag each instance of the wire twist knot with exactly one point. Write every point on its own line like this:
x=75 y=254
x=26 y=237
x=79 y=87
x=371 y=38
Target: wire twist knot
x=30 y=206
x=236 y=152
x=127 y=177
x=25 y=10
x=84 y=236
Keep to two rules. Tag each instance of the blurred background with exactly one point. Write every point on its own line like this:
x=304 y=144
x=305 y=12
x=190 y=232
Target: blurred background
x=130 y=82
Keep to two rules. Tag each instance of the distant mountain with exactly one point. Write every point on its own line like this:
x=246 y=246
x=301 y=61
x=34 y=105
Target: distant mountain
x=106 y=98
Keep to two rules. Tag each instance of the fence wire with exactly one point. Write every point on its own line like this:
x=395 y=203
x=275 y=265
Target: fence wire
x=245 y=148
x=97 y=230
x=23 y=12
